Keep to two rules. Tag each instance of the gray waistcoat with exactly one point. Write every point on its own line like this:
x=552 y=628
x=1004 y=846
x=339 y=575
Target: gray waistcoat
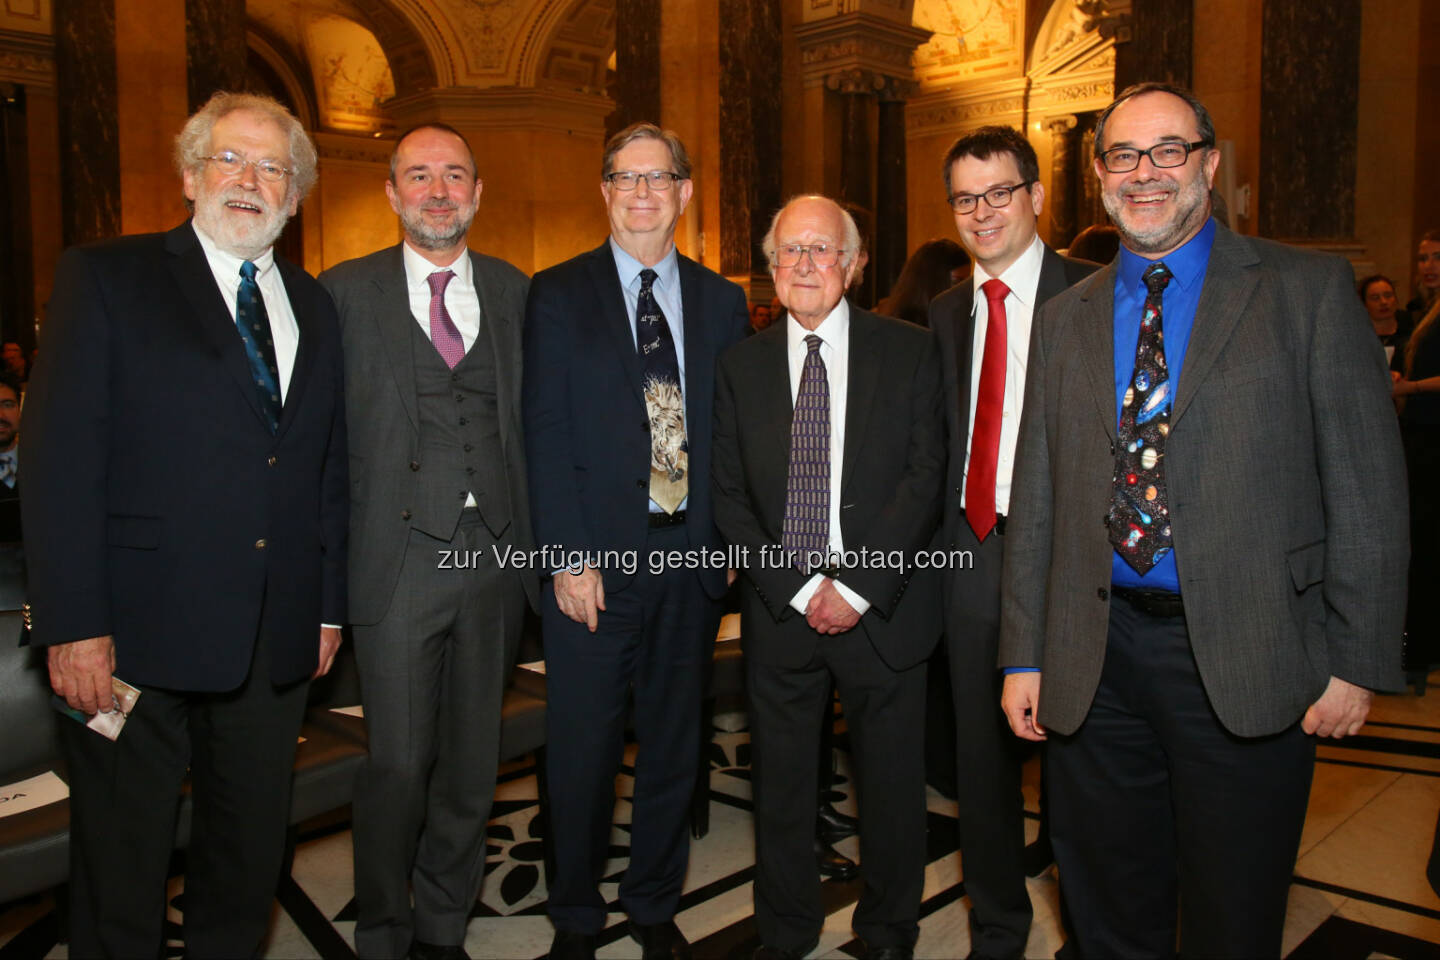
x=460 y=448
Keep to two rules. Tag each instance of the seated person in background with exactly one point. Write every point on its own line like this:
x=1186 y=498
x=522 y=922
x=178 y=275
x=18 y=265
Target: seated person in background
x=934 y=267
x=1392 y=325
x=9 y=457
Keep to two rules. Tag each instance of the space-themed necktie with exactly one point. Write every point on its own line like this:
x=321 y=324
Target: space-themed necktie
x=664 y=400
x=1139 y=518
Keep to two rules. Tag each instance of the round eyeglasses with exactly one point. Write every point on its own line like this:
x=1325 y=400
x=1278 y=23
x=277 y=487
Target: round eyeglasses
x=231 y=164
x=821 y=254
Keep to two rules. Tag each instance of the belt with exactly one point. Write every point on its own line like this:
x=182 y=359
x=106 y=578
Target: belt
x=1155 y=603
x=667 y=519
x=999 y=522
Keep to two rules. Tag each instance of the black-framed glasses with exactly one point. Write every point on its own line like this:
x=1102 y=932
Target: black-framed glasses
x=1170 y=153
x=629 y=179
x=821 y=254
x=231 y=164
x=995 y=197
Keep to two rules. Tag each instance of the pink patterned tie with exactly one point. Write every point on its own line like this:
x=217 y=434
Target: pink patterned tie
x=442 y=329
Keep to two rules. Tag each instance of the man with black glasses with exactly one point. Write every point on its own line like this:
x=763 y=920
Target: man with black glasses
x=1202 y=574
x=992 y=182
x=620 y=350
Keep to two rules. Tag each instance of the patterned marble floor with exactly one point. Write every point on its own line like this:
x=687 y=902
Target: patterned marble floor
x=1359 y=889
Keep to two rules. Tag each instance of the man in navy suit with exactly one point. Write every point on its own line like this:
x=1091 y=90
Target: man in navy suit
x=620 y=350
x=185 y=467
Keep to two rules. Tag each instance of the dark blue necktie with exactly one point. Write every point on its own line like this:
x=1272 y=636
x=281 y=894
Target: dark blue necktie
x=254 y=325
x=664 y=401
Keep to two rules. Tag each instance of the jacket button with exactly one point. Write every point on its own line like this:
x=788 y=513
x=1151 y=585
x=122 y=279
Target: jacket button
x=645 y=425
x=404 y=514
x=1102 y=594
x=641 y=483
x=260 y=544
x=468 y=448
x=270 y=462
x=414 y=464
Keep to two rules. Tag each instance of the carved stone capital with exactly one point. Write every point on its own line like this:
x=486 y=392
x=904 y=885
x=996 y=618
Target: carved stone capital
x=860 y=42
x=27 y=58
x=1059 y=126
x=853 y=80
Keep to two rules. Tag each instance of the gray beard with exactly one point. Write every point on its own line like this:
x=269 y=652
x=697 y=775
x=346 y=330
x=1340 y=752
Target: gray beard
x=424 y=237
x=246 y=246
x=1163 y=237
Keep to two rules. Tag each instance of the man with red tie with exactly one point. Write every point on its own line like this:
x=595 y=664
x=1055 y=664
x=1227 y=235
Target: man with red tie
x=992 y=182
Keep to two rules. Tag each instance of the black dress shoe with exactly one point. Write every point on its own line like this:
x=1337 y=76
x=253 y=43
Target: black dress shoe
x=833 y=864
x=569 y=945
x=660 y=941
x=890 y=953
x=833 y=825
x=420 y=950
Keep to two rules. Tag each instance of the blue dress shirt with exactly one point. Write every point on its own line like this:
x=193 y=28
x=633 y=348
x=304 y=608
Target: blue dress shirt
x=1182 y=295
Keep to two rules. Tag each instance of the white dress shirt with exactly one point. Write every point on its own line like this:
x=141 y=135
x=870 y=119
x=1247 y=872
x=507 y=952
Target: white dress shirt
x=284 y=331
x=462 y=301
x=834 y=334
x=1023 y=279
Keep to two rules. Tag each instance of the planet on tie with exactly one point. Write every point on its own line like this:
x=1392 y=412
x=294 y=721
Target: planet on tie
x=1129 y=396
x=1149 y=458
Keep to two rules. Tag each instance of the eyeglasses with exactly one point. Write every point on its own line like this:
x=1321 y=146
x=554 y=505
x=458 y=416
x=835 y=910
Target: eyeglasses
x=821 y=254
x=1171 y=153
x=231 y=164
x=629 y=180
x=995 y=197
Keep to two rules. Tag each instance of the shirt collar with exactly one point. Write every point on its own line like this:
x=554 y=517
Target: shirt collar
x=227 y=263
x=832 y=330
x=1187 y=263
x=418 y=269
x=667 y=270
x=1022 y=276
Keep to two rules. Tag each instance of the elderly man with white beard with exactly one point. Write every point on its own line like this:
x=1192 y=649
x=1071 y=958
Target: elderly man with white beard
x=186 y=473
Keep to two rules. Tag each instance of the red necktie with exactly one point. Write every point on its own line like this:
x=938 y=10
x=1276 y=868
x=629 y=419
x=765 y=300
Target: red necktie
x=989 y=406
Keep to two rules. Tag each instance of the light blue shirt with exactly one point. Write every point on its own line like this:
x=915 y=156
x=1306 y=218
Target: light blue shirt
x=666 y=290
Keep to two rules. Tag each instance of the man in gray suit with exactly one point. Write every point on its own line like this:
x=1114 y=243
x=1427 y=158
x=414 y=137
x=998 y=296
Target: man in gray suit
x=1219 y=404
x=439 y=502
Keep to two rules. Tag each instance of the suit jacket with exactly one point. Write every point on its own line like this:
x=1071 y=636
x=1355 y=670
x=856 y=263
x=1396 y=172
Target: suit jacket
x=953 y=320
x=890 y=485
x=160 y=508
x=1286 y=484
x=587 y=431
x=385 y=470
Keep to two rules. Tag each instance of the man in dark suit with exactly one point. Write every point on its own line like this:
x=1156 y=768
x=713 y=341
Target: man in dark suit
x=436 y=598
x=829 y=460
x=982 y=326
x=186 y=498
x=626 y=336
x=1205 y=562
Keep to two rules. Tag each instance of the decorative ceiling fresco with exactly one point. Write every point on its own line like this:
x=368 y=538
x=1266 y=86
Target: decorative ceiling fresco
x=973 y=40
x=352 y=76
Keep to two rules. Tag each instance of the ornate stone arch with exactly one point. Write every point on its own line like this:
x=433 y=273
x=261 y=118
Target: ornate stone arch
x=412 y=42
x=568 y=45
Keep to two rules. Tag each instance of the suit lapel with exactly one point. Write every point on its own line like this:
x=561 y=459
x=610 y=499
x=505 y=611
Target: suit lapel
x=392 y=318
x=303 y=371
x=500 y=327
x=699 y=372
x=613 y=316
x=768 y=382
x=864 y=375
x=1095 y=333
x=964 y=356
x=1229 y=284
x=196 y=281
x=1052 y=277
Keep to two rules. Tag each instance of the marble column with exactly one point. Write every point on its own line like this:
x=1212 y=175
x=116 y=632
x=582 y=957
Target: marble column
x=215 y=50
x=88 y=102
x=1161 y=45
x=749 y=132
x=891 y=215
x=1061 y=196
x=857 y=89
x=637 y=64
x=1309 y=110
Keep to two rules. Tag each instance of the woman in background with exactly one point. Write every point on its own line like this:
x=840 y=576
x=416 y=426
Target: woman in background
x=934 y=267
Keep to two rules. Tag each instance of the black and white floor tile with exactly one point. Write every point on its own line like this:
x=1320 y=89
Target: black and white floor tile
x=1359 y=890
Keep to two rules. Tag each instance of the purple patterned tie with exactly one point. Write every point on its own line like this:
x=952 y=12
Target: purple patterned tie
x=443 y=332
x=1139 y=518
x=806 y=534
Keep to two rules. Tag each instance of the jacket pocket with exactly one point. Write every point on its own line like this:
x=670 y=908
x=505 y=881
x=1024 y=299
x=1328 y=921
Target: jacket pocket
x=137 y=533
x=1307 y=565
